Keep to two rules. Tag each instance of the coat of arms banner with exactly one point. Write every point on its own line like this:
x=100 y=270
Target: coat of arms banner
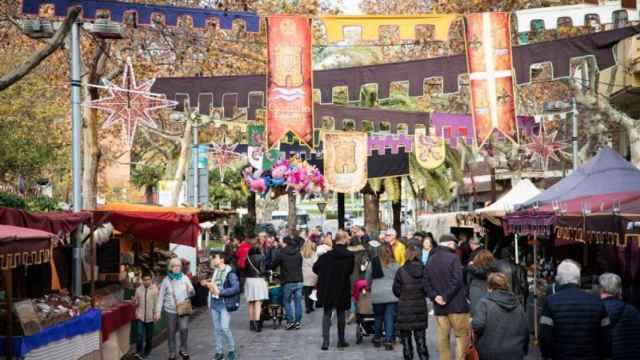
x=345 y=160
x=430 y=150
x=489 y=62
x=289 y=71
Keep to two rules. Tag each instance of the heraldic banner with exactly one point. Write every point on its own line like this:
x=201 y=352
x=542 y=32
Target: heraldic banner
x=430 y=150
x=289 y=74
x=490 y=69
x=345 y=160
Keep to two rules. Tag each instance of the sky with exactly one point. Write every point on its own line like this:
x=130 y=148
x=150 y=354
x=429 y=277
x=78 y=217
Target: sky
x=348 y=7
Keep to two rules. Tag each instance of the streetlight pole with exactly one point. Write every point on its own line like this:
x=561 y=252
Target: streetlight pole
x=195 y=161
x=76 y=143
x=574 y=134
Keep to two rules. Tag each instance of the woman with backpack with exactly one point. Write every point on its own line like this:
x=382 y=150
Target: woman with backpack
x=224 y=288
x=385 y=303
x=255 y=286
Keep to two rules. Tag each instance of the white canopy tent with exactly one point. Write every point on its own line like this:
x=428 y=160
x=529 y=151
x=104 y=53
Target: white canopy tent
x=519 y=194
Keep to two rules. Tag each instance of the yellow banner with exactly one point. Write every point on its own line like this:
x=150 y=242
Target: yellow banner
x=371 y=24
x=430 y=150
x=345 y=160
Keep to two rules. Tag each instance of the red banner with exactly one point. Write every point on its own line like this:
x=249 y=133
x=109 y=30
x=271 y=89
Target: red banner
x=289 y=71
x=488 y=42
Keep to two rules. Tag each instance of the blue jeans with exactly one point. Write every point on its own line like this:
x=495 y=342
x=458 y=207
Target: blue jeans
x=144 y=337
x=221 y=329
x=385 y=313
x=293 y=292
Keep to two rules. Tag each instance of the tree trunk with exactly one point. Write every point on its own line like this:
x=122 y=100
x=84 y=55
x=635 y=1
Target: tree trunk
x=341 y=211
x=185 y=145
x=372 y=213
x=292 y=220
x=91 y=146
x=634 y=144
x=148 y=194
x=397 y=210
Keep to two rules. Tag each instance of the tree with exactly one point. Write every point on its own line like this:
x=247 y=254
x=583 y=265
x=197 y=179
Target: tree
x=229 y=193
x=147 y=177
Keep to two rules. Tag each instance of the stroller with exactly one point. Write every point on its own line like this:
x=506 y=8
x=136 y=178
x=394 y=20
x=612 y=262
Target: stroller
x=364 y=311
x=272 y=308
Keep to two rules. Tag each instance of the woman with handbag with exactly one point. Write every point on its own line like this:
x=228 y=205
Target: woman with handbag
x=255 y=286
x=224 y=288
x=175 y=291
x=500 y=324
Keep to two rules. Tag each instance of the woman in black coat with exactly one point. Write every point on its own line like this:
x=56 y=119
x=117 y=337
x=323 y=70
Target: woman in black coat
x=480 y=267
x=412 y=315
x=500 y=323
x=334 y=287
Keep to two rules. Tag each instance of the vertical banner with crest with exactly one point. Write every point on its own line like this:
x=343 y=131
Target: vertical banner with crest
x=430 y=150
x=345 y=160
x=489 y=62
x=289 y=75
x=255 y=142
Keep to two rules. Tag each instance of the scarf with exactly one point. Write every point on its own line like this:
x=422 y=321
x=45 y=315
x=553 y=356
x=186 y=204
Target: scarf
x=175 y=276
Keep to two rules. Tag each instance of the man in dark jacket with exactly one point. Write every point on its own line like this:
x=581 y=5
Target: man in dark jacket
x=624 y=332
x=289 y=260
x=574 y=324
x=444 y=285
x=516 y=275
x=334 y=287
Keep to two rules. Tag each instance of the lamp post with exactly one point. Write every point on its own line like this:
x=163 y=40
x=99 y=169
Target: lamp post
x=322 y=205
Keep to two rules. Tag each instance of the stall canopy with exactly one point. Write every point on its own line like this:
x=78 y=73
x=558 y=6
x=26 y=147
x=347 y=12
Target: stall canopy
x=22 y=246
x=53 y=222
x=153 y=223
x=519 y=194
x=607 y=173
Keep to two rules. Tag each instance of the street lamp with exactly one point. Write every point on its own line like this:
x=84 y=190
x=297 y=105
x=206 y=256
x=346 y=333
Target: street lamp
x=322 y=205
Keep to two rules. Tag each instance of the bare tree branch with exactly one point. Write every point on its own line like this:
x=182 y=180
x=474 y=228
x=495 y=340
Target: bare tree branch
x=164 y=134
x=35 y=59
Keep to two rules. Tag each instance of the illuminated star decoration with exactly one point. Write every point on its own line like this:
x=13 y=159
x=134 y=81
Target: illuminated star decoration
x=223 y=154
x=545 y=146
x=129 y=104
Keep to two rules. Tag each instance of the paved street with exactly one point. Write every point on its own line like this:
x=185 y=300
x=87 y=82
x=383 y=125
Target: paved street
x=283 y=345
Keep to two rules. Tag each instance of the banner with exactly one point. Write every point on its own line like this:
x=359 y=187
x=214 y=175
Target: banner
x=430 y=150
x=489 y=62
x=255 y=148
x=289 y=71
x=345 y=160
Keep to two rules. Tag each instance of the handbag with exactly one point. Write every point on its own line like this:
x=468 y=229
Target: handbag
x=183 y=308
x=471 y=353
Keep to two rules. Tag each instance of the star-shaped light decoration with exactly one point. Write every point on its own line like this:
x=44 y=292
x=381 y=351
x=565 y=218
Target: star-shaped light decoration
x=129 y=104
x=545 y=146
x=224 y=154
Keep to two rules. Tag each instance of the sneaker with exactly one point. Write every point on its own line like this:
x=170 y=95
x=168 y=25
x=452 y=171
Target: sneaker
x=314 y=295
x=298 y=325
x=138 y=357
x=184 y=355
x=377 y=342
x=218 y=357
x=290 y=326
x=388 y=346
x=231 y=355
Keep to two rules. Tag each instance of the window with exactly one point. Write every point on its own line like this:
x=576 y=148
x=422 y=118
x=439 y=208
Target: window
x=446 y=130
x=463 y=131
x=537 y=25
x=620 y=19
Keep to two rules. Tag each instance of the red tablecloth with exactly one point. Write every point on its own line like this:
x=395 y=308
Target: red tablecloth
x=117 y=317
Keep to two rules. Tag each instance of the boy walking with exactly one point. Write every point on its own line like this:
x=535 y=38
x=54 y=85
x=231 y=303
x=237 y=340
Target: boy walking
x=145 y=300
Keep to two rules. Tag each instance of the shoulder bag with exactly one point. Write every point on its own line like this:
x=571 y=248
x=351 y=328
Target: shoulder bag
x=183 y=308
x=471 y=353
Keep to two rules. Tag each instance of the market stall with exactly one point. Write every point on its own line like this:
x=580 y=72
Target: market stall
x=141 y=242
x=519 y=194
x=55 y=326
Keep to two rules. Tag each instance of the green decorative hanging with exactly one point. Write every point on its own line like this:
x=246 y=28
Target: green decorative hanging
x=392 y=189
x=375 y=185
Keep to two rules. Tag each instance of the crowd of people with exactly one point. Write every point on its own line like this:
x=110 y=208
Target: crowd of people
x=479 y=302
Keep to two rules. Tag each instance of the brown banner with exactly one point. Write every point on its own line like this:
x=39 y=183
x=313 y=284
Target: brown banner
x=289 y=71
x=489 y=62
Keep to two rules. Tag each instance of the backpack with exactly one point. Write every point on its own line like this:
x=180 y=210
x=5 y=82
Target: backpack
x=232 y=302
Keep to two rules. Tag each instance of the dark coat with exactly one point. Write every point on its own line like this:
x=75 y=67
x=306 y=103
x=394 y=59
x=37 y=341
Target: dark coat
x=289 y=260
x=255 y=264
x=359 y=258
x=408 y=287
x=443 y=276
x=334 y=272
x=501 y=327
x=477 y=280
x=624 y=331
x=516 y=277
x=573 y=325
